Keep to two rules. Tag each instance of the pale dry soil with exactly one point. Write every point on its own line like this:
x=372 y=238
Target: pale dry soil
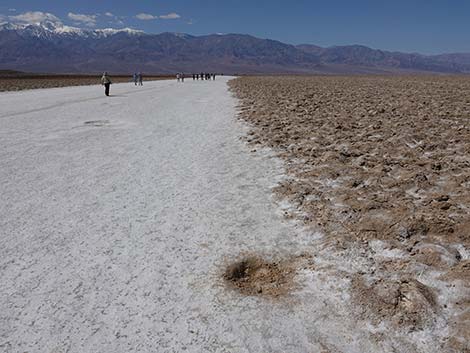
x=144 y=222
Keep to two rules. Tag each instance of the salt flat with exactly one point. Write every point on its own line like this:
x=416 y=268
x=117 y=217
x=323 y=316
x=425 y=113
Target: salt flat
x=118 y=216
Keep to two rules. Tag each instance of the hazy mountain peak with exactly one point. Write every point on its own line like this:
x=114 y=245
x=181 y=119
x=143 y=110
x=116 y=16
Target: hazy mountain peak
x=50 y=25
x=181 y=35
x=8 y=26
x=176 y=35
x=111 y=31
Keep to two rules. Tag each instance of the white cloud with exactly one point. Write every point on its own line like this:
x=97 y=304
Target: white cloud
x=113 y=19
x=87 y=20
x=170 y=16
x=145 y=16
x=148 y=17
x=34 y=17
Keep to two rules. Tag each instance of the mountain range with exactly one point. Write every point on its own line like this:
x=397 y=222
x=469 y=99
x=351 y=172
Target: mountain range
x=53 y=47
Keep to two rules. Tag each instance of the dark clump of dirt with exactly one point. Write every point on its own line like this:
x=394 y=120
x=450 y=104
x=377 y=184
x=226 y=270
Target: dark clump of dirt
x=97 y=123
x=255 y=276
x=406 y=303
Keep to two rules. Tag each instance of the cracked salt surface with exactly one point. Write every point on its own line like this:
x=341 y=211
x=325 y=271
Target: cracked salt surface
x=113 y=239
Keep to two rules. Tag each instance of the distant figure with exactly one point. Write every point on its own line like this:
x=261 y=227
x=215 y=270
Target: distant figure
x=178 y=77
x=106 y=82
x=213 y=77
x=202 y=76
x=194 y=77
x=197 y=77
x=182 y=77
x=135 y=78
x=140 y=79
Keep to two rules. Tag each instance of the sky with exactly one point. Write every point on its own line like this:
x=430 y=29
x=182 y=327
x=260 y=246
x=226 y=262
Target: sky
x=423 y=26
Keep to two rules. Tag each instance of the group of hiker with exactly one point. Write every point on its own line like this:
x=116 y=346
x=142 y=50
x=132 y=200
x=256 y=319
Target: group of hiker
x=180 y=77
x=138 y=79
x=202 y=76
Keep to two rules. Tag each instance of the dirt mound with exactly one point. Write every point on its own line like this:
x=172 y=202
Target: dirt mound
x=256 y=276
x=407 y=303
x=435 y=255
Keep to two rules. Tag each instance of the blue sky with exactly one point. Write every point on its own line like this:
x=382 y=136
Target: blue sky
x=431 y=26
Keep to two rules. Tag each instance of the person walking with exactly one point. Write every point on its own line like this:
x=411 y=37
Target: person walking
x=135 y=78
x=106 y=82
x=178 y=77
x=202 y=76
x=182 y=77
x=140 y=79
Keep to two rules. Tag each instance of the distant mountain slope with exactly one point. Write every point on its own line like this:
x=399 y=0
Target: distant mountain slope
x=357 y=55
x=53 y=47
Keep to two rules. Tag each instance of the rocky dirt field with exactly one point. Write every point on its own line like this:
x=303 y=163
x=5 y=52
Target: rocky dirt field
x=18 y=82
x=381 y=165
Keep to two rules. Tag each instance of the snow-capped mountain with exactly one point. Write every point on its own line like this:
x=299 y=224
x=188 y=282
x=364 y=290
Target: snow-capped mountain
x=51 y=46
x=49 y=28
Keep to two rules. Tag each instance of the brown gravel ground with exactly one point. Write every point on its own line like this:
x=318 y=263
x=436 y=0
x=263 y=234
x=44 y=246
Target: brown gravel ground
x=377 y=158
x=21 y=81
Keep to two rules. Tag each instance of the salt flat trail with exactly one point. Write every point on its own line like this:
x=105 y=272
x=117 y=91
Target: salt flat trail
x=117 y=216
